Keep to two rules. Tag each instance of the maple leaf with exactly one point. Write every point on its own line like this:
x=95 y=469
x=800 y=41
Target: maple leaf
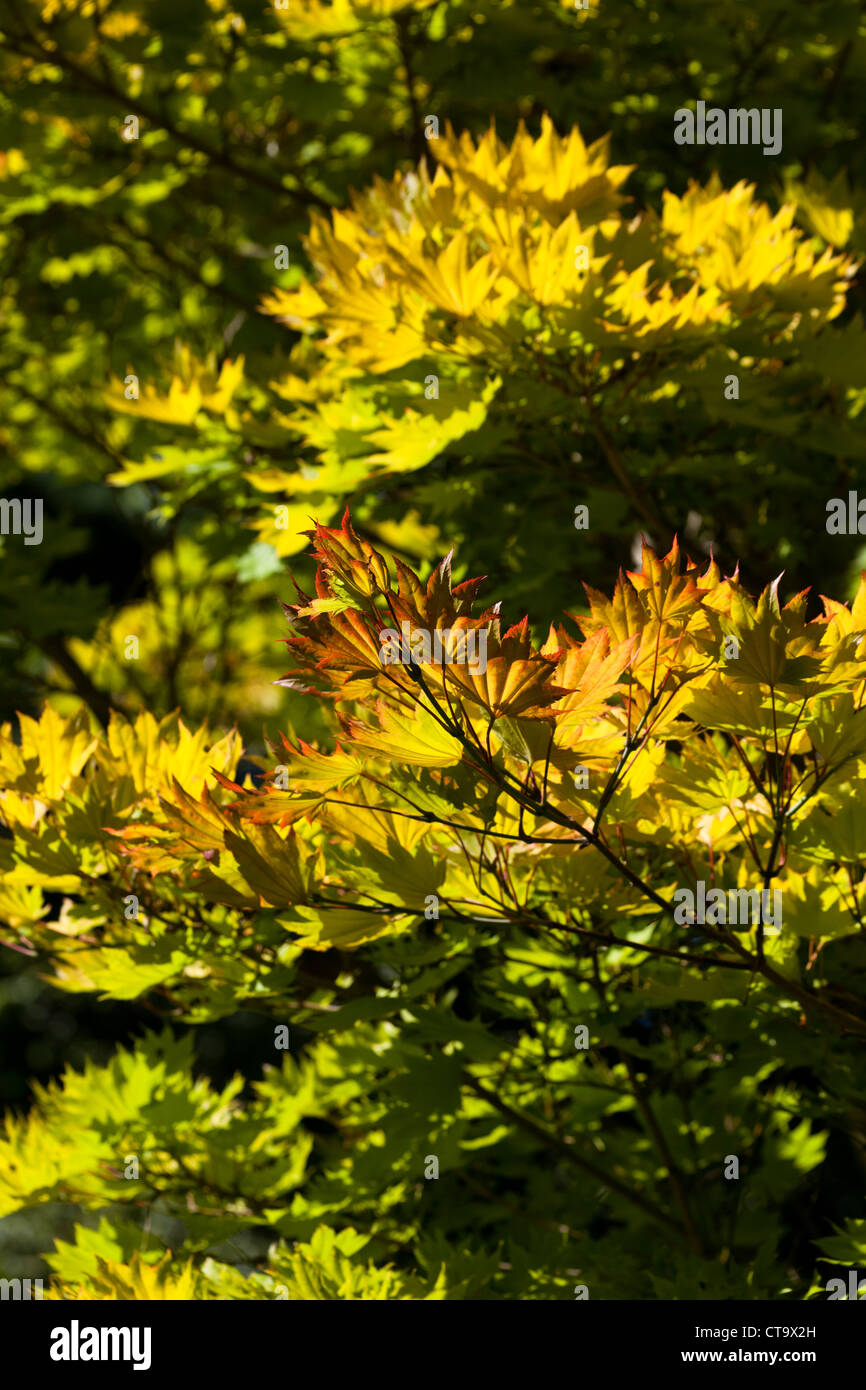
x=417 y=740
x=773 y=646
x=342 y=554
x=275 y=868
x=590 y=672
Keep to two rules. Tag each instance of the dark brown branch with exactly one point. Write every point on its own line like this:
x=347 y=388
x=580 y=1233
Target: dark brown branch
x=572 y=1156
x=56 y=650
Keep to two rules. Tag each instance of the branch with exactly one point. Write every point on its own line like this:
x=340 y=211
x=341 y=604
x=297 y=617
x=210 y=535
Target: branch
x=57 y=651
x=129 y=103
x=566 y=1151
x=674 y=1176
x=418 y=142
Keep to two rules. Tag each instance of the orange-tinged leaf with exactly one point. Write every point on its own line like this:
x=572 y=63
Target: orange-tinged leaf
x=272 y=866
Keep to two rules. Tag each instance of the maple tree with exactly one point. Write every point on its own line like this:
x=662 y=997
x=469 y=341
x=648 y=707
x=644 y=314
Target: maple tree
x=474 y=905
x=174 y=257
